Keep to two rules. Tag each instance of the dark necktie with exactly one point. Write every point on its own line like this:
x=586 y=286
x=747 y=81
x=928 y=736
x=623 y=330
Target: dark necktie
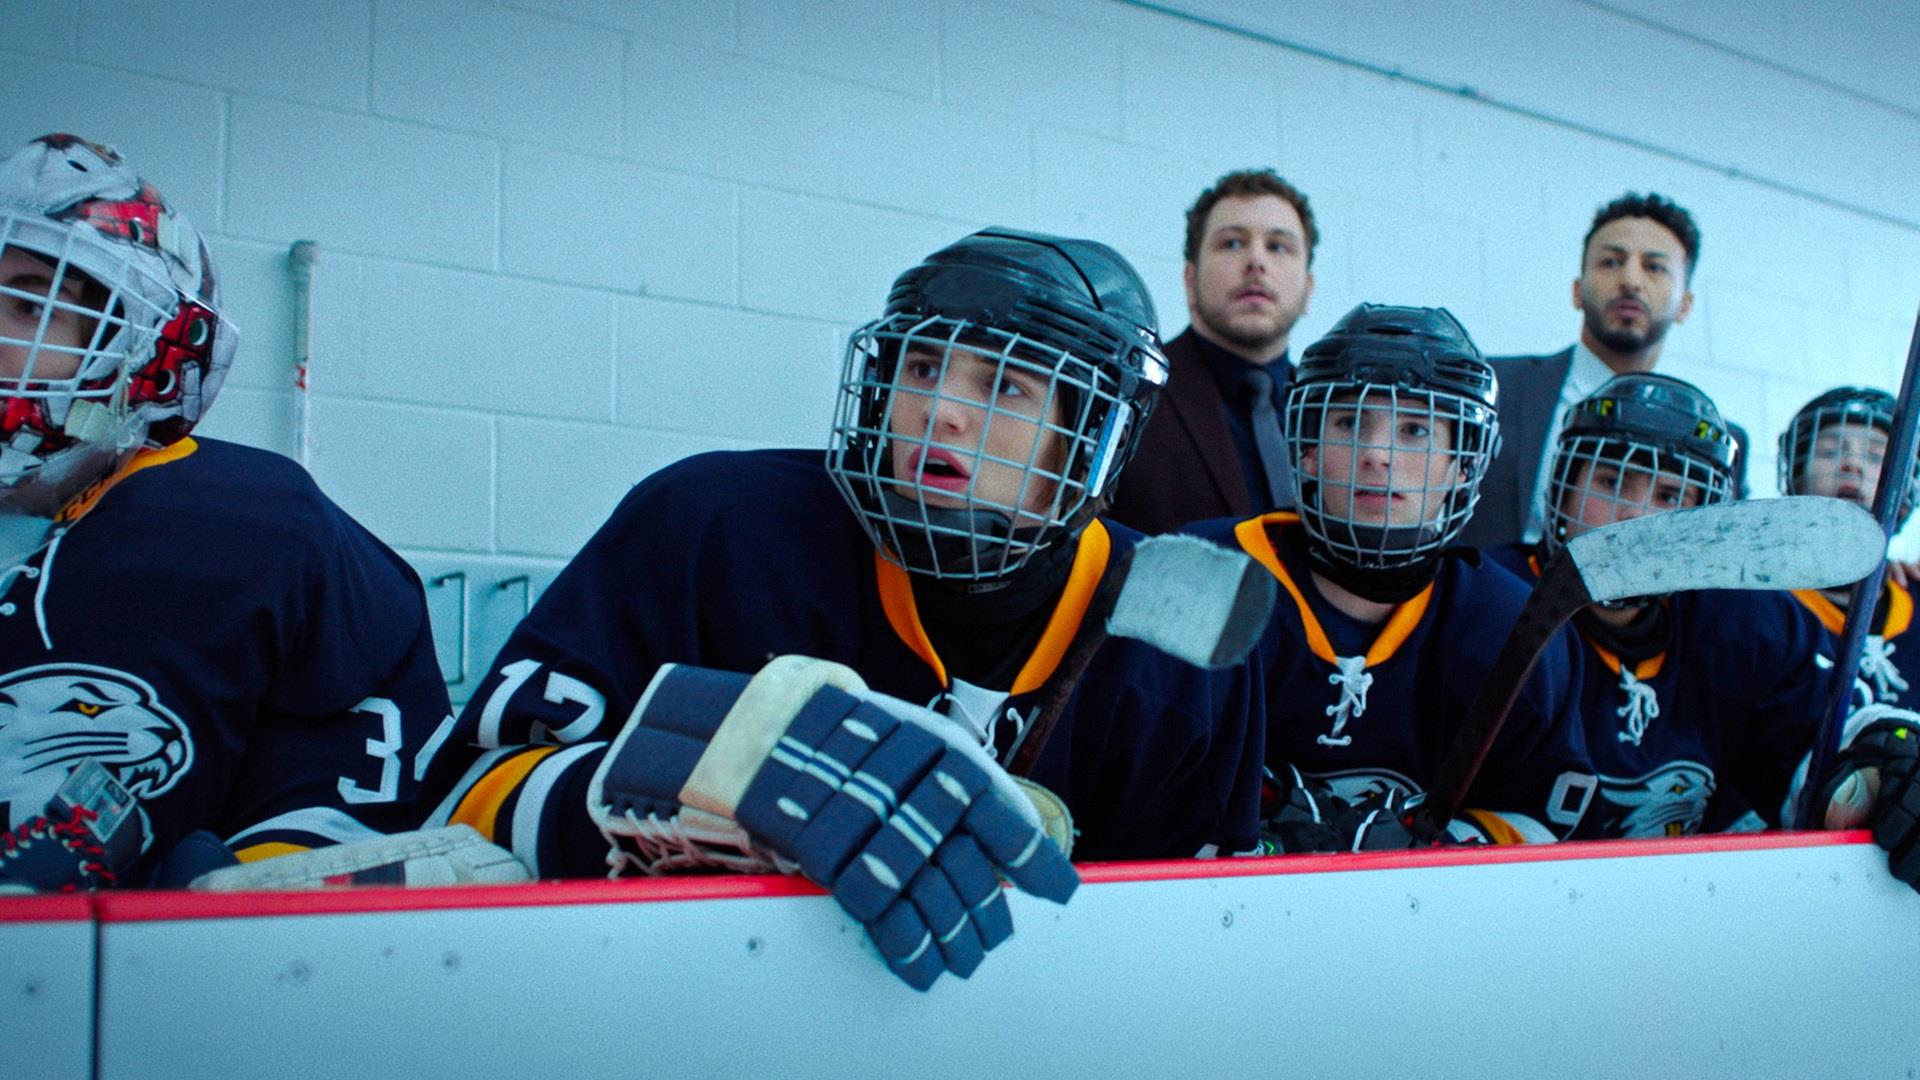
x=1269 y=439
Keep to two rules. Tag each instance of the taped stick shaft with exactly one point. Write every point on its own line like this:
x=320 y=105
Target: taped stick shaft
x=1073 y=664
x=1559 y=594
x=1799 y=542
x=1865 y=597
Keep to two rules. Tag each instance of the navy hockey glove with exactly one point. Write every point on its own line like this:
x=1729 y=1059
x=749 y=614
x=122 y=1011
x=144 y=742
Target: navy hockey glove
x=897 y=812
x=1303 y=814
x=1873 y=783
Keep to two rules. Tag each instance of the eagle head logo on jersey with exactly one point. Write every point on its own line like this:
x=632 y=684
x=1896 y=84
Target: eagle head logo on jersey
x=1669 y=801
x=54 y=716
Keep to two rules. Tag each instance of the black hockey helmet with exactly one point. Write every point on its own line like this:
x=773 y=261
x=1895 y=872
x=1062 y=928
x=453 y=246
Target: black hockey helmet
x=1645 y=423
x=1380 y=373
x=1071 y=314
x=1801 y=443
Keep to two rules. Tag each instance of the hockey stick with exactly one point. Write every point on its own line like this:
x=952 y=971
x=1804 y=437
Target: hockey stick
x=1895 y=468
x=1193 y=600
x=1800 y=542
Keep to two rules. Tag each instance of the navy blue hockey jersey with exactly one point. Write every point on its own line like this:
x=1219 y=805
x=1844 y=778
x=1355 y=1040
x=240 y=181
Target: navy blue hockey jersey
x=727 y=560
x=1893 y=628
x=233 y=647
x=1727 y=705
x=1384 y=715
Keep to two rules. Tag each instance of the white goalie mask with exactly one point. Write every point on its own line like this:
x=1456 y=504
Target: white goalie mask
x=111 y=336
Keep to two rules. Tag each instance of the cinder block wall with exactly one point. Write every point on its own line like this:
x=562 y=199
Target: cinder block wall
x=563 y=244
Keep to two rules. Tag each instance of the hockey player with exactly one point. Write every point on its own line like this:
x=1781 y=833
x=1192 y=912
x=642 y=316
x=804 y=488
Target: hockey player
x=982 y=424
x=1385 y=635
x=1686 y=695
x=192 y=637
x=1835 y=446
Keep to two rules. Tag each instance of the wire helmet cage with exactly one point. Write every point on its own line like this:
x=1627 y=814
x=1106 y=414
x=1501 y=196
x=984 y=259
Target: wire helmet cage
x=987 y=415
x=1641 y=444
x=1391 y=426
x=1834 y=433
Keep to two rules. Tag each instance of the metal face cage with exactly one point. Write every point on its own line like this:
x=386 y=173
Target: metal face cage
x=76 y=284
x=1386 y=476
x=1838 y=448
x=1598 y=480
x=963 y=449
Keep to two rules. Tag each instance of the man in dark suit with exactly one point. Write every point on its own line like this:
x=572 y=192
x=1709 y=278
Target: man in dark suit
x=1636 y=265
x=1214 y=446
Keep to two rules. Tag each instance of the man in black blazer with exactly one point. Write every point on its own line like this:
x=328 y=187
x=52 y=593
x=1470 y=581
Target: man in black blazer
x=1214 y=447
x=1636 y=265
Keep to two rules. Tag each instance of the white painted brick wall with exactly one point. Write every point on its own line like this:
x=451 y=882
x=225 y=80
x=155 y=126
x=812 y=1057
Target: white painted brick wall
x=477 y=67
x=565 y=242
x=313 y=51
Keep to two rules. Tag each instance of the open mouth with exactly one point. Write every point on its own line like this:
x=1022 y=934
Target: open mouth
x=939 y=469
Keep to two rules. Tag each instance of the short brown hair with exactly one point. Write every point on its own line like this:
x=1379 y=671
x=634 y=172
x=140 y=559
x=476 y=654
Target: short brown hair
x=1246 y=183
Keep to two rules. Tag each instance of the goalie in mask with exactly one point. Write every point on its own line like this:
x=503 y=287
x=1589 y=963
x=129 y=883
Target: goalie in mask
x=200 y=654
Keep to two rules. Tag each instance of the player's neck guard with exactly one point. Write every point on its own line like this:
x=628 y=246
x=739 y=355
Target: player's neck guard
x=1030 y=588
x=978 y=548
x=1392 y=585
x=1647 y=636
x=985 y=631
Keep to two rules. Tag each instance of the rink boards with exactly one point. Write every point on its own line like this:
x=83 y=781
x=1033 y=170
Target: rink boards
x=1765 y=955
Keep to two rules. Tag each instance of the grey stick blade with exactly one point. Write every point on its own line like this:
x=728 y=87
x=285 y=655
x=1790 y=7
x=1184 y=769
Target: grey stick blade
x=1195 y=600
x=1797 y=542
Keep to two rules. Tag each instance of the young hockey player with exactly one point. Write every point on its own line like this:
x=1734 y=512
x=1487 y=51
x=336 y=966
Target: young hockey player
x=983 y=421
x=1689 y=694
x=1384 y=635
x=1835 y=446
x=192 y=637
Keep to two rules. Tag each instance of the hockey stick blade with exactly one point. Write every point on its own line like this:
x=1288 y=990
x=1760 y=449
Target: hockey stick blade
x=1194 y=600
x=1798 y=542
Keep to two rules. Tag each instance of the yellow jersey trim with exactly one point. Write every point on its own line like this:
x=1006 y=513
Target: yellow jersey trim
x=255 y=852
x=1834 y=618
x=145 y=459
x=480 y=806
x=1254 y=540
x=1089 y=567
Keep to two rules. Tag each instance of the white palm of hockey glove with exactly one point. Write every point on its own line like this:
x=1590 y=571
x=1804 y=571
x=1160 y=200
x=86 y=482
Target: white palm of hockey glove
x=891 y=807
x=1875 y=783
